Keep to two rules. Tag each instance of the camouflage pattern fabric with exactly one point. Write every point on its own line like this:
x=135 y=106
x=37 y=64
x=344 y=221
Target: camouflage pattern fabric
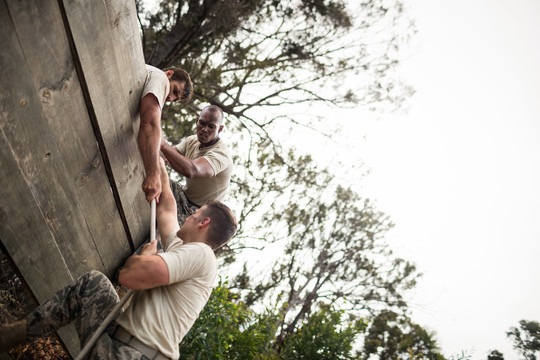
x=87 y=301
x=184 y=207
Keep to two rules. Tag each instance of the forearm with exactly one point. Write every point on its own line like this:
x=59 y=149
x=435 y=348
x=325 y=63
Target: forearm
x=167 y=203
x=197 y=168
x=183 y=165
x=149 y=141
x=133 y=274
x=166 y=208
x=142 y=272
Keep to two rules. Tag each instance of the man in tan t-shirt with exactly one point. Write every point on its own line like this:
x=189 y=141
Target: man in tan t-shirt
x=169 y=84
x=204 y=160
x=172 y=288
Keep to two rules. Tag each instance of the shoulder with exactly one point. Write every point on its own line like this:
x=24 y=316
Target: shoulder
x=191 y=255
x=191 y=142
x=223 y=146
x=200 y=248
x=196 y=249
x=220 y=150
x=155 y=76
x=190 y=261
x=152 y=69
x=203 y=252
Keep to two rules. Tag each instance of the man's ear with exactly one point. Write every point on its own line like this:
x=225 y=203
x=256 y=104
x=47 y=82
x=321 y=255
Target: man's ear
x=220 y=128
x=169 y=73
x=205 y=222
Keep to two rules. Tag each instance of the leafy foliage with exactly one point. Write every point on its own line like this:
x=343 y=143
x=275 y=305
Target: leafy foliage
x=333 y=249
x=226 y=329
x=391 y=336
x=526 y=338
x=495 y=355
x=245 y=55
x=324 y=336
x=265 y=63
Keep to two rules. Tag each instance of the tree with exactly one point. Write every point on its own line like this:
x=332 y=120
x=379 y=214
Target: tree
x=244 y=55
x=333 y=250
x=495 y=355
x=280 y=57
x=265 y=62
x=325 y=335
x=526 y=338
x=393 y=336
x=227 y=329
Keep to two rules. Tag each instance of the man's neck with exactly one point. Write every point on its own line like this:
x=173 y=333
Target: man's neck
x=194 y=240
x=210 y=143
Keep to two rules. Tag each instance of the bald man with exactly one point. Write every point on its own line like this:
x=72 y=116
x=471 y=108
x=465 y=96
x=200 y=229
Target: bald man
x=204 y=160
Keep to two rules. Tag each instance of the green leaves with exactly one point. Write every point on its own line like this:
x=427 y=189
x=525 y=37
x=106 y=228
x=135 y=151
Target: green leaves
x=394 y=336
x=325 y=335
x=526 y=338
x=227 y=329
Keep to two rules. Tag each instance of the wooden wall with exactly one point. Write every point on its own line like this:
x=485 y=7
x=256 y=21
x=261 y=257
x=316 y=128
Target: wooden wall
x=71 y=75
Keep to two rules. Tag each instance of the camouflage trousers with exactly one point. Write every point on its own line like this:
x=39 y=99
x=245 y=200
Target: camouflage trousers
x=184 y=208
x=86 y=301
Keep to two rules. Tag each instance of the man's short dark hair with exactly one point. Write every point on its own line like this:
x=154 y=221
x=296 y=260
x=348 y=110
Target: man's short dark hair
x=181 y=75
x=216 y=112
x=222 y=223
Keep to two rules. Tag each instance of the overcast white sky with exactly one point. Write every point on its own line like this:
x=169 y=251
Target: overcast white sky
x=460 y=173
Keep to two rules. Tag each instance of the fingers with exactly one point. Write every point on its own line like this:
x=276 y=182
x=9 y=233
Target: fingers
x=152 y=188
x=152 y=243
x=149 y=248
x=153 y=195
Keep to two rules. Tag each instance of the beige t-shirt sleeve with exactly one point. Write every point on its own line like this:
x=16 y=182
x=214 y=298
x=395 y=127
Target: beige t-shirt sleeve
x=188 y=261
x=218 y=158
x=157 y=84
x=166 y=243
x=181 y=147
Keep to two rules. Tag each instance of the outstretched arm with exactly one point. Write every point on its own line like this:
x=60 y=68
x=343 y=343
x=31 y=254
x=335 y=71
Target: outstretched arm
x=166 y=214
x=198 y=168
x=149 y=270
x=149 y=142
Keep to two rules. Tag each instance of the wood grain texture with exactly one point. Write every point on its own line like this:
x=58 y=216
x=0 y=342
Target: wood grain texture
x=110 y=73
x=69 y=99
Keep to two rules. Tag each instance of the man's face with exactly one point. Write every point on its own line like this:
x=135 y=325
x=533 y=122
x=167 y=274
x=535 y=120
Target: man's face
x=191 y=223
x=208 y=127
x=176 y=91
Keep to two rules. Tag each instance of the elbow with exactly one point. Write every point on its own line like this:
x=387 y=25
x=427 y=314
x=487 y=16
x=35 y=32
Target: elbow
x=129 y=283
x=192 y=171
x=148 y=127
x=188 y=171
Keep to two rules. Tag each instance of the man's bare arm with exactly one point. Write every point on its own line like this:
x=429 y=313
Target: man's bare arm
x=149 y=270
x=149 y=142
x=198 y=168
x=166 y=209
x=145 y=271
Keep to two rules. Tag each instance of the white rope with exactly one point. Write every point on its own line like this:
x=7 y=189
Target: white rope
x=112 y=315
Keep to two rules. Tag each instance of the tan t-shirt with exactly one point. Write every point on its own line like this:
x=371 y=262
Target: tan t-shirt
x=201 y=190
x=161 y=317
x=156 y=83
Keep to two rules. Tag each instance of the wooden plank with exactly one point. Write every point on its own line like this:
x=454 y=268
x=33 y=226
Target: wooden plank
x=113 y=81
x=29 y=218
x=29 y=163
x=53 y=73
x=122 y=17
x=59 y=218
